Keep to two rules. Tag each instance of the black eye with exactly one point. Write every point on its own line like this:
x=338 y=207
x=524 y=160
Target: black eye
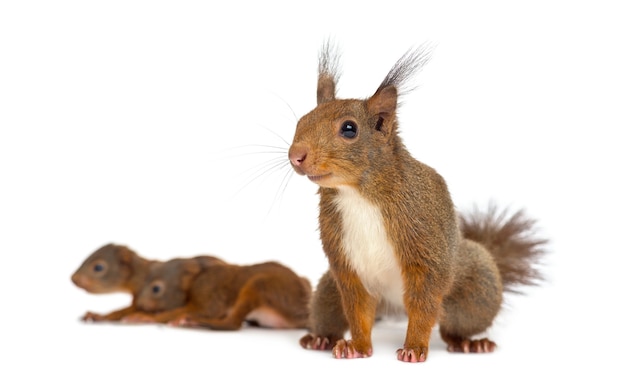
x=98 y=267
x=348 y=129
x=156 y=289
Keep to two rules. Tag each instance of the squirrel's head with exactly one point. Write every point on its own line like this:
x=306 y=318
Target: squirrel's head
x=167 y=285
x=339 y=141
x=105 y=270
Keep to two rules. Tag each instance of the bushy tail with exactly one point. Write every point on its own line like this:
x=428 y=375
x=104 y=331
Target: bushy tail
x=511 y=240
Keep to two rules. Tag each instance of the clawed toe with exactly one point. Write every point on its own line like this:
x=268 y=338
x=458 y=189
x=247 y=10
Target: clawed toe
x=411 y=355
x=472 y=346
x=321 y=343
x=345 y=349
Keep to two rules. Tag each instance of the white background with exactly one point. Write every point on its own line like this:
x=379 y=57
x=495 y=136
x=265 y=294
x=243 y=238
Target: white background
x=142 y=123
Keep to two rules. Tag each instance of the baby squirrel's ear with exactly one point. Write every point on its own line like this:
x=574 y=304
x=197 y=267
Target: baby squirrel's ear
x=191 y=268
x=383 y=105
x=125 y=254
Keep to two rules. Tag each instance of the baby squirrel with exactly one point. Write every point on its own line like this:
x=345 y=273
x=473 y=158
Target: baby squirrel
x=390 y=230
x=116 y=268
x=112 y=268
x=224 y=296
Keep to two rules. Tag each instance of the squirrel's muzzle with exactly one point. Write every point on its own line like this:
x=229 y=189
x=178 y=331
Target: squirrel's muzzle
x=297 y=157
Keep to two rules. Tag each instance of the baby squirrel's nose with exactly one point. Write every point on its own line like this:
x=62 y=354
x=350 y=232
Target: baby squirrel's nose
x=297 y=154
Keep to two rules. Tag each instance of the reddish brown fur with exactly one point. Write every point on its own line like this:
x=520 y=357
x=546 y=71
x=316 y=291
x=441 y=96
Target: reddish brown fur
x=446 y=278
x=511 y=240
x=116 y=268
x=112 y=268
x=225 y=296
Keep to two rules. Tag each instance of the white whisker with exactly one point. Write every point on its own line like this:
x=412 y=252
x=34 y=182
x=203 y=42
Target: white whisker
x=273 y=162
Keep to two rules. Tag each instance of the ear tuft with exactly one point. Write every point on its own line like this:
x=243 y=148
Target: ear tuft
x=328 y=73
x=405 y=68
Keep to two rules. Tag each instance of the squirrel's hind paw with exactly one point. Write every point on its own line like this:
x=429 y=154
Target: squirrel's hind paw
x=471 y=346
x=320 y=343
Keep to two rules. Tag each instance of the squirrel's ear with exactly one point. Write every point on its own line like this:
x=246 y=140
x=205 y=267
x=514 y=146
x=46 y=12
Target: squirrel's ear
x=384 y=101
x=383 y=104
x=325 y=88
x=328 y=73
x=125 y=254
x=190 y=270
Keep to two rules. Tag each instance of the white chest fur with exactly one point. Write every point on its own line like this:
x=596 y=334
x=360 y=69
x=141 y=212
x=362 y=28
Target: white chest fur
x=367 y=246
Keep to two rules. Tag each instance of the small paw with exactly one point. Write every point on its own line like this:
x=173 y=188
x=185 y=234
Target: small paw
x=345 y=349
x=183 y=321
x=91 y=317
x=320 y=343
x=412 y=354
x=472 y=346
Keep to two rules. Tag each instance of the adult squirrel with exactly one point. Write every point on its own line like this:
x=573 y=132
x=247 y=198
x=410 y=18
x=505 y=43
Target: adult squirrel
x=117 y=268
x=390 y=230
x=225 y=296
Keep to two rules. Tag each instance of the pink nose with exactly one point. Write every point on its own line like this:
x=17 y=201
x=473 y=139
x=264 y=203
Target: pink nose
x=297 y=155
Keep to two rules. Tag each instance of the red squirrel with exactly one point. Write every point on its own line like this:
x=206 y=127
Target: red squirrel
x=390 y=230
x=224 y=297
x=117 y=268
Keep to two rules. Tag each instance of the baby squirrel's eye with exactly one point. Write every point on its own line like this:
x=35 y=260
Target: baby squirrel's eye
x=157 y=288
x=348 y=129
x=99 y=267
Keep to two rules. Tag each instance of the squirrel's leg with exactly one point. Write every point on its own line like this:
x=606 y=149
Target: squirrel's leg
x=203 y=306
x=360 y=312
x=160 y=317
x=283 y=300
x=327 y=322
x=231 y=322
x=248 y=299
x=111 y=316
x=474 y=301
x=423 y=305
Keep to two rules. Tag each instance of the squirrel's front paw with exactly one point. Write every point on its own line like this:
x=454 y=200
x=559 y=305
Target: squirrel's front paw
x=183 y=321
x=91 y=317
x=412 y=354
x=345 y=349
